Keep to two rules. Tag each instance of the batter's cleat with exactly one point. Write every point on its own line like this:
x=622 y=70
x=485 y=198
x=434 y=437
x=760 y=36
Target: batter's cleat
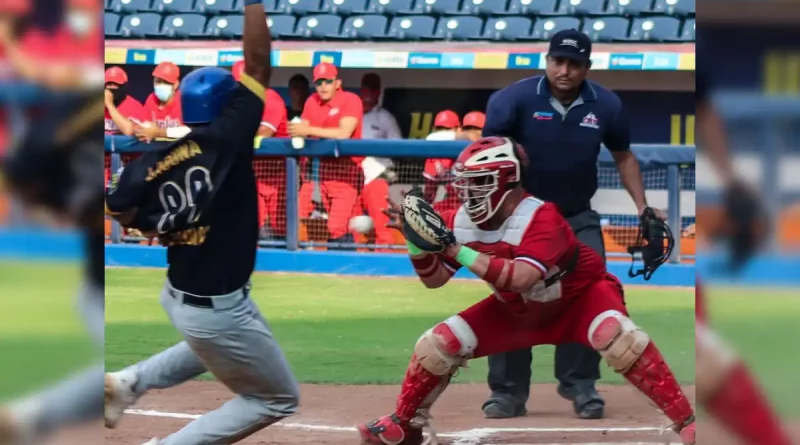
x=687 y=433
x=119 y=395
x=389 y=430
x=497 y=408
x=153 y=441
x=587 y=404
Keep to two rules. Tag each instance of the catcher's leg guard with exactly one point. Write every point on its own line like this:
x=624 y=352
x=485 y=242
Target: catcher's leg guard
x=630 y=352
x=730 y=394
x=438 y=354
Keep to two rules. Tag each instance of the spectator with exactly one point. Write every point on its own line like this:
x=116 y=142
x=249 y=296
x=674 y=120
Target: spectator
x=332 y=113
x=561 y=119
x=472 y=126
x=122 y=110
x=298 y=94
x=270 y=171
x=163 y=106
x=378 y=124
x=446 y=127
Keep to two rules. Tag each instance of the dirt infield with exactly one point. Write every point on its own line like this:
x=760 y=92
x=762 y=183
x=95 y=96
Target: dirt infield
x=328 y=413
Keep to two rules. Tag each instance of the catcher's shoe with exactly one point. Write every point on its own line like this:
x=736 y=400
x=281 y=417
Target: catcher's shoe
x=687 y=434
x=390 y=430
x=119 y=395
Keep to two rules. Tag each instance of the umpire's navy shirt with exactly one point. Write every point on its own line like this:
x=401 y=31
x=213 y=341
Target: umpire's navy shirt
x=562 y=143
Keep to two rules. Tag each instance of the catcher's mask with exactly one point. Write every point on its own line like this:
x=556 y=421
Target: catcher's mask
x=655 y=244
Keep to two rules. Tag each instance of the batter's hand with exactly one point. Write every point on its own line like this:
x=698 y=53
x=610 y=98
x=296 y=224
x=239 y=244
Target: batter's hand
x=395 y=217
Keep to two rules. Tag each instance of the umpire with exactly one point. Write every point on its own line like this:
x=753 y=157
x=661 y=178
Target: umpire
x=561 y=119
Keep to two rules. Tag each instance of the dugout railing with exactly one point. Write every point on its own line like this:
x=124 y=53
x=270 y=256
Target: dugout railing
x=668 y=172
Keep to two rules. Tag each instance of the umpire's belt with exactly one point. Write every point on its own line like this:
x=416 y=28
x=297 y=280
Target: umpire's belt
x=226 y=301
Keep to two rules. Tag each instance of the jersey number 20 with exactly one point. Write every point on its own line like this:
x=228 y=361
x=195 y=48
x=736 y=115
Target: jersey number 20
x=180 y=201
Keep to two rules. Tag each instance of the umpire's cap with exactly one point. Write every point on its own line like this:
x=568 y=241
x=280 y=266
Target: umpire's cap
x=204 y=93
x=571 y=44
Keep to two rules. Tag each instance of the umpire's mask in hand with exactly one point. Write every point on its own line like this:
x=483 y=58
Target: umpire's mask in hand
x=655 y=244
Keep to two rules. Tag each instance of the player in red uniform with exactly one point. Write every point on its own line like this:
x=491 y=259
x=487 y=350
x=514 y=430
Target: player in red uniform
x=270 y=170
x=548 y=288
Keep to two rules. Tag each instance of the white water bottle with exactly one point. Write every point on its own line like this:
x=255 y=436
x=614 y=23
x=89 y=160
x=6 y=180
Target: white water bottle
x=297 y=141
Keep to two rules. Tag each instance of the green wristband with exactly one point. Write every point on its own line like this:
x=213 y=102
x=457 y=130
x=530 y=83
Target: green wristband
x=412 y=249
x=466 y=256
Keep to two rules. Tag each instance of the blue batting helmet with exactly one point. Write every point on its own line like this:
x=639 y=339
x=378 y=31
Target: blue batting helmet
x=204 y=93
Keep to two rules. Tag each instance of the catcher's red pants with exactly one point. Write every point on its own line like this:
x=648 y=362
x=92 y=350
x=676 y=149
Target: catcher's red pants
x=372 y=200
x=339 y=199
x=498 y=332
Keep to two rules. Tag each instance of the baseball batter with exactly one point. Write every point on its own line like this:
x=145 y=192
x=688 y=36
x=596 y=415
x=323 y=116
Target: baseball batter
x=548 y=288
x=55 y=173
x=199 y=197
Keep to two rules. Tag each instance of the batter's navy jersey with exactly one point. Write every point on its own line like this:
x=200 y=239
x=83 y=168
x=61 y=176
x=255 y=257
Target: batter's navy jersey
x=199 y=194
x=562 y=143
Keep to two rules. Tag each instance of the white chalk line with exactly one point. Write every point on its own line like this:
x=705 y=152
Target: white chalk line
x=466 y=437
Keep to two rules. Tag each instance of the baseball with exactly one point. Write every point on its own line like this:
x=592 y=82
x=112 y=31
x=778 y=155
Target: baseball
x=361 y=224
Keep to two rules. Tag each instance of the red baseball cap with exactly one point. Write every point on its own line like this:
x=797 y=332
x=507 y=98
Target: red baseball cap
x=116 y=75
x=446 y=119
x=167 y=71
x=325 y=70
x=237 y=70
x=474 y=119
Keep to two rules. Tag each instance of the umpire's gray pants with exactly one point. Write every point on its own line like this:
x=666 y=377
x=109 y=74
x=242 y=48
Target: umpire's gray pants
x=232 y=341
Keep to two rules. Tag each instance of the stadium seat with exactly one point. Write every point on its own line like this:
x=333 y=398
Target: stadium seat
x=682 y=8
x=484 y=7
x=174 y=6
x=280 y=25
x=271 y=6
x=536 y=7
x=364 y=27
x=606 y=29
x=629 y=7
x=507 y=28
x=688 y=35
x=184 y=25
x=545 y=28
x=227 y=26
x=411 y=28
x=655 y=29
x=217 y=7
x=344 y=7
x=390 y=7
x=317 y=27
x=140 y=25
x=585 y=7
x=130 y=6
x=458 y=28
x=299 y=7
x=111 y=24
x=436 y=7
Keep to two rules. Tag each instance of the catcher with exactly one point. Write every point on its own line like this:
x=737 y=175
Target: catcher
x=547 y=288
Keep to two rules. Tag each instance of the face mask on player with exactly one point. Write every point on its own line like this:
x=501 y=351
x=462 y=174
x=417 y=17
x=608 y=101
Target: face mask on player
x=79 y=22
x=164 y=92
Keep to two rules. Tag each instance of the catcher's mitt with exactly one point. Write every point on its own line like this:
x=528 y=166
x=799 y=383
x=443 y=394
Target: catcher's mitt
x=422 y=226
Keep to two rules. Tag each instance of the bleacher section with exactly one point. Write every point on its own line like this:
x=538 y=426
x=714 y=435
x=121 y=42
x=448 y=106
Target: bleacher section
x=402 y=20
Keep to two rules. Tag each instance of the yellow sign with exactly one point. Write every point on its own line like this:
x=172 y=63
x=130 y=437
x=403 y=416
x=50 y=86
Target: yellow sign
x=295 y=58
x=116 y=55
x=490 y=61
x=686 y=62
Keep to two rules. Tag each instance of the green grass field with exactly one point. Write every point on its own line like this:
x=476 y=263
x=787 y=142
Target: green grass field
x=332 y=332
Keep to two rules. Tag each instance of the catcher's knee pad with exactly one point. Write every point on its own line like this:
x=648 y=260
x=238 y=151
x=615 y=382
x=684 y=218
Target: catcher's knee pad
x=714 y=360
x=446 y=346
x=617 y=339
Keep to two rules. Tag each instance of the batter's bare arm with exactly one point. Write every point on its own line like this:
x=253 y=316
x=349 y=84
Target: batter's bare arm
x=257 y=43
x=506 y=275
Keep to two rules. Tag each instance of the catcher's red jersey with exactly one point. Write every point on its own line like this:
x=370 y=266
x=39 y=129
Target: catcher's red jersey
x=537 y=234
